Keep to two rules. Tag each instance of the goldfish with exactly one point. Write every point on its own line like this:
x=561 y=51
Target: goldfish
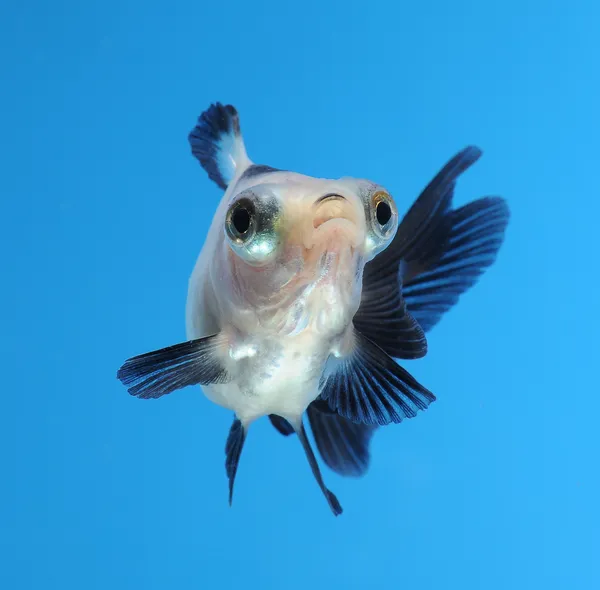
x=308 y=294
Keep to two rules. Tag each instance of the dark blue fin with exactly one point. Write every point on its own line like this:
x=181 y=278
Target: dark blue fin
x=419 y=226
x=383 y=318
x=421 y=244
x=333 y=502
x=217 y=143
x=343 y=444
x=369 y=387
x=281 y=424
x=469 y=247
x=390 y=325
x=233 y=451
x=157 y=373
x=419 y=231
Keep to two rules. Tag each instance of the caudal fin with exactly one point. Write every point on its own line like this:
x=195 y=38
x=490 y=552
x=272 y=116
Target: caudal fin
x=467 y=247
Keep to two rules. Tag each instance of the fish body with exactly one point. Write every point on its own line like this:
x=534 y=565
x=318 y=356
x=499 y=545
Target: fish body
x=308 y=291
x=283 y=319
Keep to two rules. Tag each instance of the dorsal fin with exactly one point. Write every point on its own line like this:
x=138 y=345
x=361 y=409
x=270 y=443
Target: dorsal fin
x=217 y=143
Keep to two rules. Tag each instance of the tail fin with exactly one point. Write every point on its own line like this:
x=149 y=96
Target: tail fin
x=466 y=244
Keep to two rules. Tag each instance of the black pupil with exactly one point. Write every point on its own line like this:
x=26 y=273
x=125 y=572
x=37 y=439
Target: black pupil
x=384 y=212
x=241 y=220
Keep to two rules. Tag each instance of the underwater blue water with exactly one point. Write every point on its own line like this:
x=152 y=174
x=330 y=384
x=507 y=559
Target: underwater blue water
x=104 y=211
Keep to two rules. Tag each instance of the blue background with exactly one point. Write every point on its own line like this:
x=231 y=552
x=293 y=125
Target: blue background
x=104 y=211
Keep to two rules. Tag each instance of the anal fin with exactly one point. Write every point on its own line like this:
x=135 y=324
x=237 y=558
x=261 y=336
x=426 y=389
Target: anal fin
x=343 y=444
x=281 y=425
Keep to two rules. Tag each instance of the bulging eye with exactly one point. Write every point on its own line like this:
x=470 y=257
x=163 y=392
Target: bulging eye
x=382 y=220
x=241 y=221
x=384 y=214
x=252 y=227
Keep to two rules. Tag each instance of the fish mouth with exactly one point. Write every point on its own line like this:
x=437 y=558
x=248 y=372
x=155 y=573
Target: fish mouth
x=329 y=207
x=336 y=234
x=335 y=245
x=335 y=223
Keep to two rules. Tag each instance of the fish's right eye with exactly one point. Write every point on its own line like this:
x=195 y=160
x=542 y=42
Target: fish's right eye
x=241 y=221
x=252 y=226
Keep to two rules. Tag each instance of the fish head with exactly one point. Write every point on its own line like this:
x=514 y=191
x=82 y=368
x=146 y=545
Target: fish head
x=296 y=246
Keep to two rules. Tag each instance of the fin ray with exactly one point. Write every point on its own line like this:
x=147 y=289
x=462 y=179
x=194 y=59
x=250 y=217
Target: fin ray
x=385 y=391
x=157 y=373
x=476 y=235
x=384 y=318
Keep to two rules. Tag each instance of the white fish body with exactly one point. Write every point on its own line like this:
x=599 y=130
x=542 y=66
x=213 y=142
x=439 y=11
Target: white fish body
x=279 y=347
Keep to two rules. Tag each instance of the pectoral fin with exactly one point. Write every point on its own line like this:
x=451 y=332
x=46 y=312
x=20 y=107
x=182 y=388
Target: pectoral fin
x=157 y=373
x=369 y=387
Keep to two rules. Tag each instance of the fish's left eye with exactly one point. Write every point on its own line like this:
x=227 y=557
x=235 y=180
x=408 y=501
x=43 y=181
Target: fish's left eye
x=252 y=227
x=382 y=220
x=383 y=213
